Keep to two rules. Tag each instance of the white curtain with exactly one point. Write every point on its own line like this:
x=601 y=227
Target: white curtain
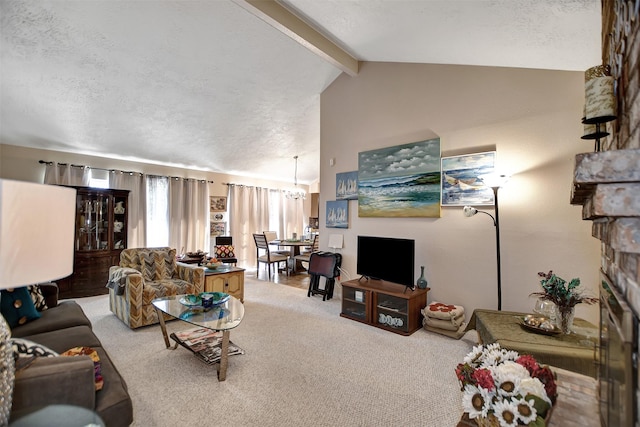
x=286 y=214
x=65 y=174
x=157 y=195
x=137 y=205
x=248 y=214
x=188 y=214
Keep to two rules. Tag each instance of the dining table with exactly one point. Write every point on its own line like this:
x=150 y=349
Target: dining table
x=294 y=249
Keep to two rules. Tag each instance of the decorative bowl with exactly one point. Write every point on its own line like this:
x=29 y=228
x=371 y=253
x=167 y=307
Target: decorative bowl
x=213 y=266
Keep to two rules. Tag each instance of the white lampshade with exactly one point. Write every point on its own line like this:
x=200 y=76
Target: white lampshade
x=36 y=233
x=495 y=180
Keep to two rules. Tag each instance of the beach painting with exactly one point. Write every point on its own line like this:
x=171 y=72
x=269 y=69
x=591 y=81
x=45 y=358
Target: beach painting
x=337 y=214
x=347 y=185
x=400 y=181
x=462 y=179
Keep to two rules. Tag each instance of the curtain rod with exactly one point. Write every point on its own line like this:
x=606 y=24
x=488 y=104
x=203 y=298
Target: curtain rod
x=116 y=170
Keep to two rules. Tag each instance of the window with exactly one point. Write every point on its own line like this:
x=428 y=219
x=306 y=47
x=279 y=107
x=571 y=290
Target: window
x=157 y=211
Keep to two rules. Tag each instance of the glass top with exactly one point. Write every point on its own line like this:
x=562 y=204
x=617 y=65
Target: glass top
x=220 y=317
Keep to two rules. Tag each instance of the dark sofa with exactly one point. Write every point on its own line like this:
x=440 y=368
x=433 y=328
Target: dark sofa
x=68 y=380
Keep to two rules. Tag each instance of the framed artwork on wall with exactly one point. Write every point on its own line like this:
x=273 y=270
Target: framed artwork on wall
x=218 y=228
x=337 y=214
x=218 y=203
x=462 y=179
x=400 y=181
x=347 y=185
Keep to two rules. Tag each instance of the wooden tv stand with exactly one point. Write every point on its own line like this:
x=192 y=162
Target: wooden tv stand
x=385 y=305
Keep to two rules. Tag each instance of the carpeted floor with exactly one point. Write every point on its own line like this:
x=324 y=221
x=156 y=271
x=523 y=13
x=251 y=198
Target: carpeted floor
x=304 y=365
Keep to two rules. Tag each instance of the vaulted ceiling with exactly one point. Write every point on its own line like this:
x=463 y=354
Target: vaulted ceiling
x=234 y=85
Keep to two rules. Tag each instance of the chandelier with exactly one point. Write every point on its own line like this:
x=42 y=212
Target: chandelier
x=296 y=193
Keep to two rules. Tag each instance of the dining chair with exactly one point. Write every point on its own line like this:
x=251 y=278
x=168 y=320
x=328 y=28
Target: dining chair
x=271 y=236
x=262 y=244
x=306 y=254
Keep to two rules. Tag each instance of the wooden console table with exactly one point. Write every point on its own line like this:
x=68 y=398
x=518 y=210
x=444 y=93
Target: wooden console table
x=575 y=352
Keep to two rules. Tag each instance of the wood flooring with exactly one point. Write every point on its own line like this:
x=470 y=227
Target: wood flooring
x=298 y=280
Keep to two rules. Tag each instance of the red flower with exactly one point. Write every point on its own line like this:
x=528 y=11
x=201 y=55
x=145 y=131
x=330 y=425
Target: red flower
x=528 y=362
x=483 y=378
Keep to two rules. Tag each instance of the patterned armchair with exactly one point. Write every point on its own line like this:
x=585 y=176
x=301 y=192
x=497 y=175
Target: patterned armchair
x=145 y=274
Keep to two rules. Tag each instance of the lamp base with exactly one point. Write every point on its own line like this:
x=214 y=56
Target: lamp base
x=7 y=372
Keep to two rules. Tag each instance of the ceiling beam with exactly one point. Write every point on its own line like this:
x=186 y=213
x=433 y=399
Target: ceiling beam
x=285 y=21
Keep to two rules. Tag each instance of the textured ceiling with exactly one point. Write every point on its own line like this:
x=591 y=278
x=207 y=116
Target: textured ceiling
x=209 y=85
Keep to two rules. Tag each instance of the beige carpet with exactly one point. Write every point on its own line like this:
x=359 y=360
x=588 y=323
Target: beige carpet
x=304 y=365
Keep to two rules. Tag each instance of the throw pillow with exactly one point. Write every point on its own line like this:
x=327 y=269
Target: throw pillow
x=17 y=306
x=225 y=251
x=97 y=367
x=37 y=297
x=26 y=348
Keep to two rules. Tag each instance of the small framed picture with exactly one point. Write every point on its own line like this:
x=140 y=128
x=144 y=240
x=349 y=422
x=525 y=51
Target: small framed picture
x=218 y=228
x=337 y=214
x=218 y=203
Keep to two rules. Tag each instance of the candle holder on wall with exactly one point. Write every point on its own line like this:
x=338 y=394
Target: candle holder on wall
x=600 y=103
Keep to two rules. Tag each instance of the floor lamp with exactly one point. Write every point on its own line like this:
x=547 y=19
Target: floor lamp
x=495 y=182
x=37 y=226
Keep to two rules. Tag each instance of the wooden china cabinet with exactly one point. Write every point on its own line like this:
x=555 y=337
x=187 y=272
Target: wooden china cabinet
x=101 y=234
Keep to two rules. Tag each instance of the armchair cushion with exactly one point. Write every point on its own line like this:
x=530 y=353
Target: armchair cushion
x=157 y=265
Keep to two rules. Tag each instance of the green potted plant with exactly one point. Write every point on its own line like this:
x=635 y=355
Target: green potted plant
x=565 y=296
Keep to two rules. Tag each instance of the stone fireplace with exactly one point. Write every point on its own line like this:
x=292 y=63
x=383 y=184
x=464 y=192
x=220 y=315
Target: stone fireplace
x=607 y=185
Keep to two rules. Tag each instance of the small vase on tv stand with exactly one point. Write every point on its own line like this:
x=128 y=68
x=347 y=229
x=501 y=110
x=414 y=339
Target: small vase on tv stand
x=422 y=282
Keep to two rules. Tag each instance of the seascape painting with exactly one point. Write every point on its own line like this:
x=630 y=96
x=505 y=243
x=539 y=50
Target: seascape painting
x=347 y=186
x=462 y=179
x=400 y=181
x=337 y=214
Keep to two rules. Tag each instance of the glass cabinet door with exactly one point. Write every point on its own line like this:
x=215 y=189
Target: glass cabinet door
x=119 y=221
x=92 y=222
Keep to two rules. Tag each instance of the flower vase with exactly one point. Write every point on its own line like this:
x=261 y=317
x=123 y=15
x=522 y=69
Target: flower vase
x=564 y=318
x=422 y=282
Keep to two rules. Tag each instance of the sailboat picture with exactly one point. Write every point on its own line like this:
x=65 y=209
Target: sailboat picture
x=462 y=179
x=347 y=186
x=337 y=214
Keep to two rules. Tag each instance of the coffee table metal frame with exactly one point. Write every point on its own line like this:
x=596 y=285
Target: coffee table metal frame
x=232 y=313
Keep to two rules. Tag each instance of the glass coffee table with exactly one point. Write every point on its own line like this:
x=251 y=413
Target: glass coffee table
x=222 y=317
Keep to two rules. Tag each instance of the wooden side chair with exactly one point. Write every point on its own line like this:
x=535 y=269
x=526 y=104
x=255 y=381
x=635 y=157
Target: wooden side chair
x=225 y=251
x=267 y=256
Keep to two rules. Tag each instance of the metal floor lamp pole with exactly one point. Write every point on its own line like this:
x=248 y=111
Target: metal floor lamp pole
x=497 y=224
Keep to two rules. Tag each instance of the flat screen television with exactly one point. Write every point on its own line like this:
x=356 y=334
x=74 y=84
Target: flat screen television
x=386 y=258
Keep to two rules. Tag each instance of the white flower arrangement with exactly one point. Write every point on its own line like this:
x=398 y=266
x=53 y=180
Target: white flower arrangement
x=500 y=384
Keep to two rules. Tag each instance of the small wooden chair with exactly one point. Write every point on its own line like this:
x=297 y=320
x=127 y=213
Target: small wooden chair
x=224 y=250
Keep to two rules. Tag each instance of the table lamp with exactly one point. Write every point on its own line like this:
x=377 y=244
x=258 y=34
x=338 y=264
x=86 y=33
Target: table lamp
x=36 y=246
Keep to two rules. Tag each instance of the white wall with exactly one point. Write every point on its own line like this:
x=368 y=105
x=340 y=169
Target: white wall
x=530 y=117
